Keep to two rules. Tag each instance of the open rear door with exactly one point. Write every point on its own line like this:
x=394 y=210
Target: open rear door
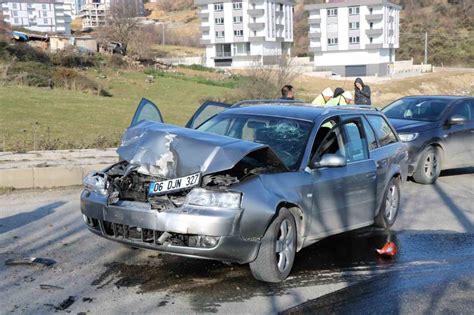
x=146 y=110
x=206 y=111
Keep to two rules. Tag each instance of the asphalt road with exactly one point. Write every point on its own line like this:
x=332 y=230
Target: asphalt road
x=432 y=273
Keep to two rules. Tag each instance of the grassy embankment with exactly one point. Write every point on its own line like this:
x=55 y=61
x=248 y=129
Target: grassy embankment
x=67 y=118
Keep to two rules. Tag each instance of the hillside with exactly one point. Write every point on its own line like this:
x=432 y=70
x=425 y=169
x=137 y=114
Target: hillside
x=449 y=23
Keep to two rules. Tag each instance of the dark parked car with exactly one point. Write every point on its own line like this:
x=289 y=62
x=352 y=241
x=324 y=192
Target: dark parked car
x=438 y=130
x=253 y=184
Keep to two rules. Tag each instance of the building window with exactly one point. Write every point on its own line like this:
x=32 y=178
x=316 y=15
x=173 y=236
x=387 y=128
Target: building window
x=45 y=21
x=219 y=21
x=238 y=19
x=238 y=33
x=44 y=6
x=241 y=49
x=354 y=25
x=219 y=7
x=354 y=10
x=237 y=5
x=371 y=25
x=15 y=13
x=332 y=41
x=332 y=12
x=16 y=21
x=371 y=10
x=371 y=40
x=14 y=6
x=220 y=34
x=44 y=13
x=354 y=40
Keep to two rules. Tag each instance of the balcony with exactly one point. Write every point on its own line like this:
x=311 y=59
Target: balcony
x=256 y=26
x=256 y=39
x=203 y=15
x=374 y=46
x=315 y=49
x=223 y=54
x=255 y=12
x=205 y=41
x=314 y=21
x=374 y=32
x=279 y=13
x=374 y=17
x=205 y=28
x=314 y=35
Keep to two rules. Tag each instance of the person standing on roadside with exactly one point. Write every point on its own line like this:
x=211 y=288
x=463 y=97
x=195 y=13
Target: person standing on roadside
x=362 y=93
x=337 y=99
x=323 y=98
x=287 y=93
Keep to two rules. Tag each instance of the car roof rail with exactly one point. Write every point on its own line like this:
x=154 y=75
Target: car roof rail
x=368 y=107
x=268 y=102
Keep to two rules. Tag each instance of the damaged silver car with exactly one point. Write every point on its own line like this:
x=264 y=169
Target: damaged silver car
x=248 y=184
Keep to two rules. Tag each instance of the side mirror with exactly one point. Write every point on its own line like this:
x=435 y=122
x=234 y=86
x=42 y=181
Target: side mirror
x=330 y=160
x=457 y=120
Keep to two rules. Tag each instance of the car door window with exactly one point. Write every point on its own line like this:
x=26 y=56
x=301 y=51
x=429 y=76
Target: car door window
x=370 y=135
x=205 y=111
x=382 y=130
x=355 y=145
x=146 y=110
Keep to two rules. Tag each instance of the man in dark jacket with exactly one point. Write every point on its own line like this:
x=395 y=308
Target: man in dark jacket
x=362 y=93
x=287 y=93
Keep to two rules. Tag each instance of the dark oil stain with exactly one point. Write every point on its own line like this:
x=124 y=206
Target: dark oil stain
x=332 y=260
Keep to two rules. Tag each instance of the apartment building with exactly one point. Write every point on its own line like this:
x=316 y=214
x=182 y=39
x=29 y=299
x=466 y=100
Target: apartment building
x=242 y=33
x=75 y=7
x=354 y=37
x=94 y=13
x=49 y=16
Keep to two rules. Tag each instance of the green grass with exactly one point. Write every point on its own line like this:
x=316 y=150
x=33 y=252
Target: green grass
x=78 y=119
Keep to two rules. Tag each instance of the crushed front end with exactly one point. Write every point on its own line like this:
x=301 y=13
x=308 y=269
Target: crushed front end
x=164 y=197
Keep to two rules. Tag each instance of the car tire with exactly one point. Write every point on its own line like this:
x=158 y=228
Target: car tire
x=429 y=166
x=277 y=249
x=390 y=205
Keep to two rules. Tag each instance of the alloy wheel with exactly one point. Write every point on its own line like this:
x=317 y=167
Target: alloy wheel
x=431 y=165
x=285 y=245
x=391 y=205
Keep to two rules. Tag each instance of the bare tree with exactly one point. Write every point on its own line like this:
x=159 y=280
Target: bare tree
x=266 y=81
x=122 y=23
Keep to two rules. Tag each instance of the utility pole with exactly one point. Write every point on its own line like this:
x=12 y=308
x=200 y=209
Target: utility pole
x=426 y=48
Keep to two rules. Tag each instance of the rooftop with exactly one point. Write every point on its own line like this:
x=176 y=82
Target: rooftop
x=350 y=3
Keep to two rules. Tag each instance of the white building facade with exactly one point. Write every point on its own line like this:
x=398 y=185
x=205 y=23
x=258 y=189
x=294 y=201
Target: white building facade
x=94 y=13
x=354 y=37
x=48 y=16
x=242 y=33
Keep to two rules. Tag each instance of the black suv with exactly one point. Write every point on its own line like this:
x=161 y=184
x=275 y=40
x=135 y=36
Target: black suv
x=438 y=130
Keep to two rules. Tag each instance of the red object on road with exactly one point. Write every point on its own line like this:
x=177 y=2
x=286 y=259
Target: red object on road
x=388 y=250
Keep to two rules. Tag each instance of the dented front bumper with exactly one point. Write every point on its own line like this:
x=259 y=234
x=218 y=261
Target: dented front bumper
x=136 y=224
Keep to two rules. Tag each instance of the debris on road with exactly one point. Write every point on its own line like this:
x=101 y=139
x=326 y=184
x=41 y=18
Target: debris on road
x=388 y=250
x=30 y=261
x=87 y=299
x=64 y=304
x=50 y=287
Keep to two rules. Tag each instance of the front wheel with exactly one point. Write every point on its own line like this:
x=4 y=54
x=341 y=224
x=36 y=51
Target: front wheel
x=429 y=167
x=277 y=250
x=389 y=210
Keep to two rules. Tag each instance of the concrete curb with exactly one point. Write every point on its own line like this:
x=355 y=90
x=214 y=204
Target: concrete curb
x=46 y=177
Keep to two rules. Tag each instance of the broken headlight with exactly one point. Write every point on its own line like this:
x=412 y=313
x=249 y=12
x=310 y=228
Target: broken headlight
x=213 y=199
x=96 y=182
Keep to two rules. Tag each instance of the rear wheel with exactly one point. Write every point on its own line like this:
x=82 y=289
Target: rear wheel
x=277 y=250
x=389 y=209
x=429 y=167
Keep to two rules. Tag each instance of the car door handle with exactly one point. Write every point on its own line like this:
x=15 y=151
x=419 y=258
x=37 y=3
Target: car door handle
x=382 y=163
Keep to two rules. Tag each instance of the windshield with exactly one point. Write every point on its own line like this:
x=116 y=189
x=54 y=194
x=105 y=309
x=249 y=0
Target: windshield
x=287 y=137
x=424 y=109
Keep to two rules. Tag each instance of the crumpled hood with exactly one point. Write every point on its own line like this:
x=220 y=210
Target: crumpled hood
x=407 y=125
x=169 y=151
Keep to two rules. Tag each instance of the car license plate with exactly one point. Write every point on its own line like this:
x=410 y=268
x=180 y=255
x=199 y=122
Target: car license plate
x=166 y=186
